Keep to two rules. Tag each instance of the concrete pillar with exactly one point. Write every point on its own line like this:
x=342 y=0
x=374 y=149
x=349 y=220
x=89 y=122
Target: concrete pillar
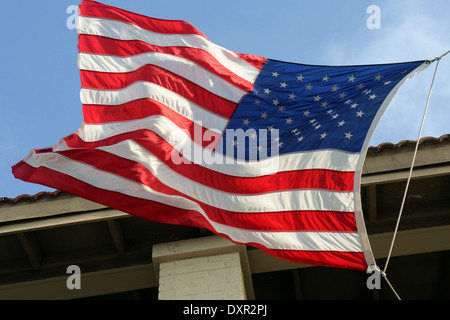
x=208 y=268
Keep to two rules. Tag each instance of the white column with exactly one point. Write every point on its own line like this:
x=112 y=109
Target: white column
x=208 y=268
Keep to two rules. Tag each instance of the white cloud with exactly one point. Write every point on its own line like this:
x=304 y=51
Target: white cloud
x=409 y=31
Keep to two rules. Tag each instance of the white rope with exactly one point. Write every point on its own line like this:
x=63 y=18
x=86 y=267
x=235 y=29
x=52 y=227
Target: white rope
x=392 y=288
x=438 y=59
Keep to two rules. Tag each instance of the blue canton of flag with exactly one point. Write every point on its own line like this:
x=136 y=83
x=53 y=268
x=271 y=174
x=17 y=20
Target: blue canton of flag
x=317 y=107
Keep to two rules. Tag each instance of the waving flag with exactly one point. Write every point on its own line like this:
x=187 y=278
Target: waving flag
x=180 y=130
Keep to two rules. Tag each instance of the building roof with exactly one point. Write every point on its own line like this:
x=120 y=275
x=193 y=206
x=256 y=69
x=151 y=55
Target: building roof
x=406 y=144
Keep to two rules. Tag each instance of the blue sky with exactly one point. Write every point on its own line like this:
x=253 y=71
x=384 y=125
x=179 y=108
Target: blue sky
x=39 y=77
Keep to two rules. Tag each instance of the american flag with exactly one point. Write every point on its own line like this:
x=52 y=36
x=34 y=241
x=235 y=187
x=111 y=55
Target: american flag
x=180 y=130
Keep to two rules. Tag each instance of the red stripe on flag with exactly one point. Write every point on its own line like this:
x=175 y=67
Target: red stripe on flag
x=287 y=220
x=256 y=61
x=348 y=260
